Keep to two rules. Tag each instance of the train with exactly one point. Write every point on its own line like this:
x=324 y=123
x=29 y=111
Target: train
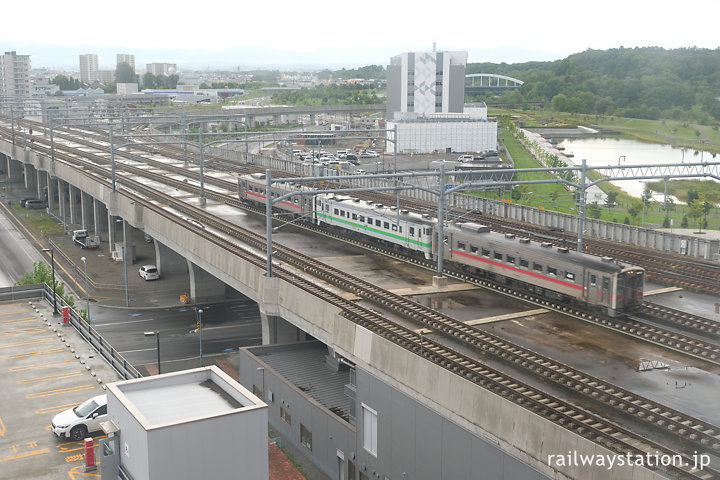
x=538 y=268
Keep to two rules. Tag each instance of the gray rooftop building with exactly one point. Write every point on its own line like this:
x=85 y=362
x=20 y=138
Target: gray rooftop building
x=184 y=425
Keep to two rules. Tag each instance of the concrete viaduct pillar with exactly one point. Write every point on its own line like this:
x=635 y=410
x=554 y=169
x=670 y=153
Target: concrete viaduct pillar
x=52 y=192
x=85 y=202
x=62 y=189
x=15 y=169
x=111 y=232
x=98 y=208
x=30 y=176
x=42 y=183
x=72 y=205
x=276 y=329
x=204 y=287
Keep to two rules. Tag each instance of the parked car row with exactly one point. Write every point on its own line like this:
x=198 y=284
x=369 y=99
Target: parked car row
x=346 y=155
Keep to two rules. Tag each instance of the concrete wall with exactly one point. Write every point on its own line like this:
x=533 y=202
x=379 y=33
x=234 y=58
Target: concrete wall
x=227 y=445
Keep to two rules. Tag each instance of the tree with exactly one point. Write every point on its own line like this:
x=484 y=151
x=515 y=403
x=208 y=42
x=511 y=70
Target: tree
x=66 y=83
x=148 y=80
x=699 y=208
x=594 y=210
x=42 y=273
x=635 y=208
x=611 y=199
x=125 y=73
x=692 y=195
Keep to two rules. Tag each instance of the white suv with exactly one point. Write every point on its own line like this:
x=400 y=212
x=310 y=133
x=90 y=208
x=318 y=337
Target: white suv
x=77 y=422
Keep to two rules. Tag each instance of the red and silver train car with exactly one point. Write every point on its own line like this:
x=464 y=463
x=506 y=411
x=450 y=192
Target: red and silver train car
x=540 y=268
x=252 y=188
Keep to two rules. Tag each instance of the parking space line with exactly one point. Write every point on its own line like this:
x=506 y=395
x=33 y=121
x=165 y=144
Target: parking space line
x=25 y=454
x=50 y=377
x=80 y=470
x=16 y=319
x=15 y=304
x=37 y=352
x=20 y=331
x=40 y=365
x=56 y=408
x=60 y=391
x=29 y=342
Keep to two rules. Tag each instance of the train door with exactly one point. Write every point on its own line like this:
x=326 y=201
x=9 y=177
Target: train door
x=242 y=189
x=605 y=291
x=631 y=283
x=589 y=287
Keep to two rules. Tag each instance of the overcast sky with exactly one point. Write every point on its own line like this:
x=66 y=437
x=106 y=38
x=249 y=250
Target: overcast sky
x=280 y=33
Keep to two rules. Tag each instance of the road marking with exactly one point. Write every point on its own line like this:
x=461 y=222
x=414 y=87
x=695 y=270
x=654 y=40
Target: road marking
x=20 y=331
x=56 y=408
x=27 y=342
x=24 y=454
x=38 y=352
x=3 y=429
x=95 y=324
x=40 y=365
x=16 y=319
x=79 y=471
x=50 y=377
x=47 y=393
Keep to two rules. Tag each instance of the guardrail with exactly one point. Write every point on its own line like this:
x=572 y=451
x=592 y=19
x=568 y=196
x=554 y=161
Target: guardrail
x=91 y=336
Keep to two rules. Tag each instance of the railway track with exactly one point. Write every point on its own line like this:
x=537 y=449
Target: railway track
x=572 y=417
x=682 y=320
x=703 y=350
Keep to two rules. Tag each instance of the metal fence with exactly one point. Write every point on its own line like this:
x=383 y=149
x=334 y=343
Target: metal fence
x=91 y=336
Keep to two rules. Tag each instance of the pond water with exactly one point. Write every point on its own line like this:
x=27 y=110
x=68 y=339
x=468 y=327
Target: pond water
x=611 y=151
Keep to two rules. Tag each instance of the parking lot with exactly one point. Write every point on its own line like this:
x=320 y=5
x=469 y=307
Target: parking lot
x=45 y=368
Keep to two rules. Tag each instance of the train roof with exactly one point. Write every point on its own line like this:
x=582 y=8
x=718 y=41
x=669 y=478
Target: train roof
x=539 y=249
x=259 y=179
x=378 y=209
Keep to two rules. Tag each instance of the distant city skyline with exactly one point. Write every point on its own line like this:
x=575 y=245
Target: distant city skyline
x=288 y=34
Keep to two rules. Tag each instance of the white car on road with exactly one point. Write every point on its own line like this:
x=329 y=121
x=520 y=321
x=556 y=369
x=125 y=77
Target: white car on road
x=149 y=272
x=77 y=422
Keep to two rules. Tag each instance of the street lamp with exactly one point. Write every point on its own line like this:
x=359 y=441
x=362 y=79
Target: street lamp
x=87 y=288
x=52 y=259
x=621 y=157
x=262 y=394
x=199 y=327
x=156 y=333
